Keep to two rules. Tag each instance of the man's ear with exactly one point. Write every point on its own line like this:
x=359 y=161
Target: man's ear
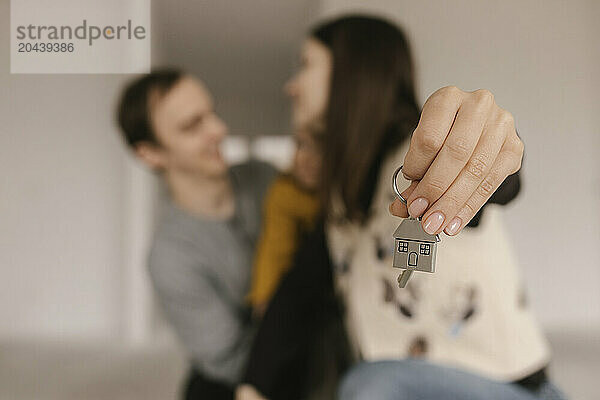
x=151 y=154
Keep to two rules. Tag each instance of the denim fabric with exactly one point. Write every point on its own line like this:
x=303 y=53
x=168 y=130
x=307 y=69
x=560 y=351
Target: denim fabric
x=419 y=380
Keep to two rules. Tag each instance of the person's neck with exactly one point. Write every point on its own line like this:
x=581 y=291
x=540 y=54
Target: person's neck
x=201 y=196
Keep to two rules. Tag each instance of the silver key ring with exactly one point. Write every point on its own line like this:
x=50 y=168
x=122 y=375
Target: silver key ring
x=395 y=185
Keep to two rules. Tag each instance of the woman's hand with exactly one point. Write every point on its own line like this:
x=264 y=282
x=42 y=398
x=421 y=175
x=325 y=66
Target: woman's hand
x=248 y=392
x=463 y=149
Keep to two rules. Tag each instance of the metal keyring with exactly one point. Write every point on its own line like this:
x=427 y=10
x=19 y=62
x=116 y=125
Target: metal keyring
x=395 y=185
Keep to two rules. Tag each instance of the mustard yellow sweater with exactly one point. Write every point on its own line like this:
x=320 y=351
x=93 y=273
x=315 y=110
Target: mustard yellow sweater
x=289 y=211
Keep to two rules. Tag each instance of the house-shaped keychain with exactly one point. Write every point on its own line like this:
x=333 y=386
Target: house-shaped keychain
x=414 y=250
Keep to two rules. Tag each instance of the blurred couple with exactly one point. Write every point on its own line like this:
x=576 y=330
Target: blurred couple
x=280 y=285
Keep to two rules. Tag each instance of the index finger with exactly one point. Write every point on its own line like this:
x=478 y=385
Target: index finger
x=437 y=117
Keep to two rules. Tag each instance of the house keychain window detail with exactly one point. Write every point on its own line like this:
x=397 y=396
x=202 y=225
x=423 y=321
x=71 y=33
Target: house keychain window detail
x=402 y=247
x=415 y=249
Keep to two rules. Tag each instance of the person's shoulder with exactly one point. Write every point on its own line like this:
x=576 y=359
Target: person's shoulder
x=284 y=186
x=287 y=188
x=253 y=178
x=280 y=191
x=173 y=226
x=169 y=253
x=287 y=195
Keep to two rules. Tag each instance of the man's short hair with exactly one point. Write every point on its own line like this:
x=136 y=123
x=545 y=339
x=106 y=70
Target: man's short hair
x=133 y=112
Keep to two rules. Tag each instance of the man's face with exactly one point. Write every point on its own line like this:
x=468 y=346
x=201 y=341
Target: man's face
x=188 y=130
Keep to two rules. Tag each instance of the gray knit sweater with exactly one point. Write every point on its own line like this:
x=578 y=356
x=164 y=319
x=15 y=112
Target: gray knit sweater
x=200 y=270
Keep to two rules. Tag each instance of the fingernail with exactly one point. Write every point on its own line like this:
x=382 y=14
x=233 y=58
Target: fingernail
x=433 y=222
x=453 y=226
x=418 y=207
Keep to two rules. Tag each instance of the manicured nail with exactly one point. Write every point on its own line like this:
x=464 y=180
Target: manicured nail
x=418 y=207
x=453 y=226
x=433 y=222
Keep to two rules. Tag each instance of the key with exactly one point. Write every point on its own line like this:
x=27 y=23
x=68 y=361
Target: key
x=414 y=249
x=403 y=277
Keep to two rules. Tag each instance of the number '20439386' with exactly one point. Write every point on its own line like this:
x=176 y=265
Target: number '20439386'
x=44 y=47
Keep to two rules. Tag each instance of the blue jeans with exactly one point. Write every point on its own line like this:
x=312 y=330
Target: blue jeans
x=418 y=380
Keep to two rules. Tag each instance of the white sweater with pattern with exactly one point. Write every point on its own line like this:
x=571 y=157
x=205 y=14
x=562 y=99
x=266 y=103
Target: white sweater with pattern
x=471 y=313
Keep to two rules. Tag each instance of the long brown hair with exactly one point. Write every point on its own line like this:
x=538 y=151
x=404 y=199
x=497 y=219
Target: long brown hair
x=372 y=106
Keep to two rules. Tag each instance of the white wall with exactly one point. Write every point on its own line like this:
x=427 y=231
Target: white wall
x=63 y=176
x=243 y=50
x=541 y=59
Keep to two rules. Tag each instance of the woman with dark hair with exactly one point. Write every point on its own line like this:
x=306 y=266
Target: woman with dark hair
x=357 y=78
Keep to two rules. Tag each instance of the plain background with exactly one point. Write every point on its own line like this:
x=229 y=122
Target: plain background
x=76 y=210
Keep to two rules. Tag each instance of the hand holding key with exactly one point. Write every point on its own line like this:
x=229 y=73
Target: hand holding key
x=463 y=148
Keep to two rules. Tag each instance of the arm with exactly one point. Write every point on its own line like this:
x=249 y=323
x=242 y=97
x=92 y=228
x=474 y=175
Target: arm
x=208 y=327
